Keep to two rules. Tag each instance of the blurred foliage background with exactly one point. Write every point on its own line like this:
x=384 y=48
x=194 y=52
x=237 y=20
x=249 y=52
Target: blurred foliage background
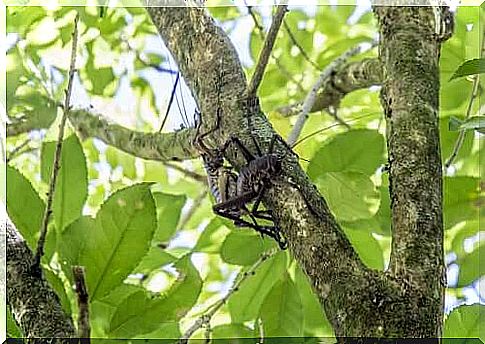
x=156 y=256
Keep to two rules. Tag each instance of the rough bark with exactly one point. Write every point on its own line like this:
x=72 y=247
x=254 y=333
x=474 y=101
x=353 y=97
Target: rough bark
x=35 y=306
x=151 y=146
x=357 y=301
x=351 y=77
x=314 y=236
x=410 y=51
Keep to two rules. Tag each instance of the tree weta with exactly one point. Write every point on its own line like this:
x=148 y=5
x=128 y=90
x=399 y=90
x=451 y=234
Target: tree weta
x=234 y=192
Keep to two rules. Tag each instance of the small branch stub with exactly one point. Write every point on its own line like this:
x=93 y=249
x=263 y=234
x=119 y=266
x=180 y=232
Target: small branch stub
x=84 y=327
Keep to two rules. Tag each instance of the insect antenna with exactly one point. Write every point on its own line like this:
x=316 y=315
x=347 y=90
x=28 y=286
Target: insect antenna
x=330 y=127
x=174 y=89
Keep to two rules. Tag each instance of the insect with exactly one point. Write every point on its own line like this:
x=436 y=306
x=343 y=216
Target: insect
x=234 y=192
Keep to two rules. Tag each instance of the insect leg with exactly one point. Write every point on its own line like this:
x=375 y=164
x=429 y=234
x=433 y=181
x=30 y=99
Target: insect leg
x=270 y=231
x=247 y=154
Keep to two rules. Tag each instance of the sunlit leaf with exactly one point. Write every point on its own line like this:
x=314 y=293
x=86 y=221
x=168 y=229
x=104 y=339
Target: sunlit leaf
x=168 y=214
x=282 y=310
x=242 y=247
x=472 y=266
x=350 y=195
x=233 y=330
x=245 y=304
x=13 y=330
x=461 y=200
x=367 y=247
x=141 y=313
x=24 y=206
x=465 y=322
x=470 y=67
x=112 y=246
x=359 y=150
x=72 y=184
x=212 y=238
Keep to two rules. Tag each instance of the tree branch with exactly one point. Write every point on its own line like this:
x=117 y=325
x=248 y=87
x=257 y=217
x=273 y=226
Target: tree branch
x=311 y=97
x=267 y=49
x=151 y=146
x=351 y=77
x=35 y=306
x=409 y=52
x=57 y=155
x=202 y=50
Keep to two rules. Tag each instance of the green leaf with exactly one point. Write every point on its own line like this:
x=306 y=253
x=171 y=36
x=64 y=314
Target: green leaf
x=244 y=305
x=24 y=206
x=360 y=150
x=282 y=310
x=74 y=241
x=13 y=330
x=350 y=195
x=58 y=285
x=383 y=215
x=103 y=309
x=72 y=183
x=465 y=231
x=461 y=200
x=470 y=67
x=242 y=247
x=367 y=247
x=454 y=123
x=168 y=214
x=112 y=246
x=465 y=322
x=315 y=322
x=473 y=123
x=448 y=140
x=22 y=18
x=233 y=331
x=168 y=330
x=141 y=314
x=116 y=157
x=98 y=80
x=155 y=171
x=472 y=266
x=154 y=259
x=212 y=238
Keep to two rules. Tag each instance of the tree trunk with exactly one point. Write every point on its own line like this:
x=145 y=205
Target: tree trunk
x=406 y=300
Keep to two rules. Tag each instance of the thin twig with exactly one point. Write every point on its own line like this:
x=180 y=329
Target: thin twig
x=474 y=95
x=312 y=95
x=461 y=135
x=213 y=309
x=16 y=150
x=266 y=51
x=255 y=19
x=57 y=157
x=191 y=174
x=196 y=205
x=207 y=333
x=280 y=66
x=83 y=327
x=298 y=45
